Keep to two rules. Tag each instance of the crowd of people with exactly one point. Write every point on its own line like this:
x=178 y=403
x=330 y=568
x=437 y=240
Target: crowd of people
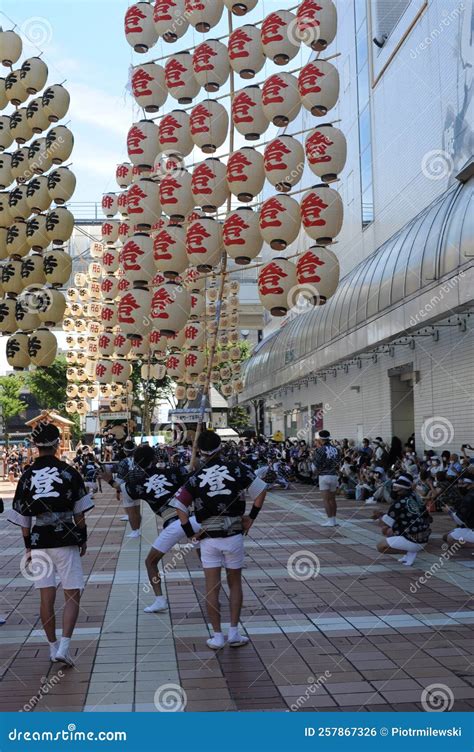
x=204 y=505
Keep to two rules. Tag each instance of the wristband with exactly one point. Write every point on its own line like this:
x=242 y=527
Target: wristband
x=254 y=512
x=27 y=540
x=188 y=529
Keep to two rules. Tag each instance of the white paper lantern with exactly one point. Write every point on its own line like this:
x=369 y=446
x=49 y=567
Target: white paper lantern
x=316 y=23
x=149 y=86
x=174 y=134
x=34 y=74
x=110 y=204
x=6 y=138
x=17 y=244
x=276 y=283
x=122 y=203
x=211 y=64
x=175 y=366
x=209 y=124
x=109 y=287
x=123 y=174
x=140 y=30
x=15 y=91
x=176 y=195
x=203 y=15
x=110 y=260
x=170 y=21
x=195 y=362
x=245 y=173
x=106 y=343
x=284 y=162
x=11 y=47
x=37 y=194
x=55 y=101
x=247 y=113
x=241 y=235
x=134 y=312
x=245 y=51
x=61 y=185
x=142 y=144
x=204 y=243
x=6 y=176
x=198 y=305
x=322 y=213
x=169 y=251
x=278 y=38
x=179 y=76
x=37 y=116
x=57 y=267
x=194 y=280
x=209 y=184
x=143 y=200
x=5 y=214
x=60 y=143
x=175 y=340
x=317 y=272
x=136 y=258
x=318 y=85
x=170 y=308
x=20 y=127
x=326 y=151
x=195 y=335
x=59 y=224
x=280 y=221
x=110 y=231
x=20 y=165
x=51 y=305
x=122 y=345
x=36 y=234
x=39 y=156
x=240 y=7
x=17 y=351
x=281 y=101
x=42 y=347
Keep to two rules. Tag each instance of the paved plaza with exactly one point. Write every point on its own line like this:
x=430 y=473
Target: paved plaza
x=334 y=626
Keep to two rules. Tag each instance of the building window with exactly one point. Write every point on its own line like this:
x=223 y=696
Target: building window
x=363 y=98
x=387 y=14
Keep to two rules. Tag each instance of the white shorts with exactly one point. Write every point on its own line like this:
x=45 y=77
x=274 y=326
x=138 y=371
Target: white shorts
x=403 y=544
x=223 y=552
x=387 y=520
x=462 y=533
x=173 y=534
x=328 y=483
x=127 y=501
x=64 y=562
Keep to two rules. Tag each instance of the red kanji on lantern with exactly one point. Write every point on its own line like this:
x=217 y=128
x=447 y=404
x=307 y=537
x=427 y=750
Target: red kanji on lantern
x=237 y=44
x=190 y=360
x=161 y=299
x=104 y=341
x=195 y=237
x=107 y=228
x=122 y=171
x=271 y=29
x=202 y=57
x=133 y=18
x=174 y=70
x=106 y=285
x=168 y=127
x=117 y=368
x=232 y=230
x=161 y=245
x=123 y=284
x=126 y=306
x=269 y=213
x=108 y=259
x=134 y=139
x=172 y=362
x=236 y=165
x=273 y=155
x=268 y=280
x=161 y=11
x=119 y=340
x=200 y=119
x=306 y=267
x=308 y=80
x=134 y=197
x=107 y=201
x=311 y=208
x=167 y=188
x=140 y=80
x=202 y=174
x=155 y=337
x=271 y=91
x=306 y=15
x=241 y=108
x=100 y=370
x=316 y=147
x=191 y=332
x=107 y=313
x=129 y=256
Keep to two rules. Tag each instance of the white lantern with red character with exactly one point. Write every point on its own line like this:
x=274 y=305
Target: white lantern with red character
x=143 y=202
x=110 y=260
x=194 y=280
x=322 y=213
x=110 y=204
x=149 y=86
x=245 y=51
x=142 y=144
x=316 y=23
x=281 y=100
x=169 y=251
x=122 y=345
x=109 y=287
x=209 y=125
x=110 y=231
x=211 y=64
x=204 y=243
x=175 y=366
x=176 y=196
x=203 y=15
x=245 y=173
x=276 y=284
x=284 y=162
x=247 y=113
x=198 y=305
x=179 y=76
x=241 y=235
x=317 y=271
x=170 y=21
x=240 y=7
x=326 y=151
x=175 y=340
x=106 y=343
x=318 y=85
x=120 y=371
x=280 y=221
x=195 y=335
x=123 y=174
x=278 y=38
x=174 y=134
x=209 y=184
x=134 y=312
x=170 y=308
x=136 y=259
x=195 y=362
x=140 y=30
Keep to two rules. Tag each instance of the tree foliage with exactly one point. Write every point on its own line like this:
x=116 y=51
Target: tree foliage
x=11 y=403
x=238 y=418
x=48 y=385
x=146 y=395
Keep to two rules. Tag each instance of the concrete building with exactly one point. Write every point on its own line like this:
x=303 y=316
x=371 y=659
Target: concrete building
x=391 y=353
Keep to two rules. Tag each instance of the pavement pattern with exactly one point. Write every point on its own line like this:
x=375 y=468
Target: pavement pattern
x=334 y=626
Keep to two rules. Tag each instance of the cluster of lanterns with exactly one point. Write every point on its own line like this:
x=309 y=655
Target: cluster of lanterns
x=35 y=224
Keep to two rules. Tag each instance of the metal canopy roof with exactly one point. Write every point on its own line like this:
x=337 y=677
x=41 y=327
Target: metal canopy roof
x=379 y=298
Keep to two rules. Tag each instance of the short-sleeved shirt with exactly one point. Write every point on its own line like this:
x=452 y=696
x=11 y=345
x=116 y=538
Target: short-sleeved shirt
x=124 y=467
x=155 y=485
x=411 y=519
x=50 y=492
x=327 y=459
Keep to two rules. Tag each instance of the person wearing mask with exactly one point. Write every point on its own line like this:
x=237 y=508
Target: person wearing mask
x=50 y=504
x=327 y=459
x=454 y=467
x=409 y=528
x=462 y=512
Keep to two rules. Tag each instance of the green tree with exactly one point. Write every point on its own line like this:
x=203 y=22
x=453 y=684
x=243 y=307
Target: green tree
x=11 y=404
x=48 y=385
x=146 y=394
x=238 y=418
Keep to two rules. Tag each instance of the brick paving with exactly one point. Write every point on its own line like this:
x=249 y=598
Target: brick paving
x=348 y=630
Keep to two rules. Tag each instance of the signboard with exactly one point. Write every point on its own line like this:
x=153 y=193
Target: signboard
x=113 y=416
x=188 y=416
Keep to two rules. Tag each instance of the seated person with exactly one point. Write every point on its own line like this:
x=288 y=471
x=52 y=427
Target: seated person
x=462 y=512
x=408 y=523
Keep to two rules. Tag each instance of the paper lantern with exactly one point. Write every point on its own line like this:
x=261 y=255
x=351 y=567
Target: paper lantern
x=20 y=127
x=276 y=282
x=110 y=204
x=316 y=23
x=203 y=15
x=245 y=51
x=245 y=173
x=322 y=213
x=109 y=287
x=71 y=389
x=57 y=267
x=170 y=21
x=122 y=345
x=281 y=101
x=134 y=312
x=149 y=86
x=284 y=162
x=3 y=96
x=94 y=290
x=204 y=243
x=169 y=251
x=241 y=235
x=37 y=194
x=143 y=200
x=36 y=234
x=20 y=165
x=170 y=308
x=209 y=124
x=174 y=134
x=33 y=74
x=92 y=391
x=179 y=77
x=193 y=280
x=122 y=203
x=55 y=101
x=7 y=315
x=195 y=362
x=175 y=340
x=280 y=221
x=136 y=258
x=158 y=343
x=71 y=407
x=39 y=157
x=17 y=203
x=140 y=30
x=59 y=224
x=42 y=347
x=5 y=214
x=209 y=184
x=318 y=85
x=142 y=144
x=211 y=64
x=61 y=185
x=3 y=244
x=37 y=116
x=123 y=174
x=326 y=152
x=12 y=281
x=106 y=343
x=110 y=231
x=11 y=47
x=51 y=305
x=17 y=351
x=247 y=113
x=317 y=272
x=198 y=305
x=175 y=366
x=278 y=39
x=17 y=244
x=6 y=138
x=103 y=371
x=60 y=143
x=14 y=89
x=240 y=8
x=195 y=335
x=96 y=251
x=6 y=176
x=176 y=195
